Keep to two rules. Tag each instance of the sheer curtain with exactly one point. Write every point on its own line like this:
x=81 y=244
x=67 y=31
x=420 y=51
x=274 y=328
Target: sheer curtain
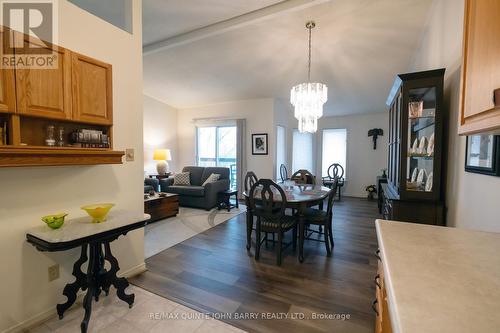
x=241 y=162
x=302 y=151
x=334 y=149
x=280 y=149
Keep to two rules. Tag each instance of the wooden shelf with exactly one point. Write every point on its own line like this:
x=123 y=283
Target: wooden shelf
x=18 y=156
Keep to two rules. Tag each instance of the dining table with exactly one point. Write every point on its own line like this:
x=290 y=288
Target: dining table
x=298 y=197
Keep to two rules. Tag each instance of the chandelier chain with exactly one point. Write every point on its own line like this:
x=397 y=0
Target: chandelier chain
x=310 y=26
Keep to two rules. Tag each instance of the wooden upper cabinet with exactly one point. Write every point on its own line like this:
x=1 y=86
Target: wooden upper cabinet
x=7 y=83
x=43 y=92
x=92 y=90
x=480 y=68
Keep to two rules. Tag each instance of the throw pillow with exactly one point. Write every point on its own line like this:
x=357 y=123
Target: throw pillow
x=182 y=178
x=211 y=179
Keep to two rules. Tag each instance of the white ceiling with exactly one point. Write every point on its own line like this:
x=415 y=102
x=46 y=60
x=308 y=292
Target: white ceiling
x=358 y=47
x=167 y=18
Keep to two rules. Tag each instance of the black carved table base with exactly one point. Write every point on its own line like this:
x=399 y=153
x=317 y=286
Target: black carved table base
x=97 y=280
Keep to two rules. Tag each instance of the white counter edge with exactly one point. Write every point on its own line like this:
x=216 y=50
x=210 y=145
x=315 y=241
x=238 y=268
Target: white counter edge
x=391 y=298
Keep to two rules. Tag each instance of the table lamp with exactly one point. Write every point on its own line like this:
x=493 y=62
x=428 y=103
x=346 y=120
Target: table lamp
x=162 y=156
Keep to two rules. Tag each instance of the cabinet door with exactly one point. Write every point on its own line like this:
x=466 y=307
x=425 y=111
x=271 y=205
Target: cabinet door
x=7 y=83
x=43 y=92
x=481 y=67
x=92 y=90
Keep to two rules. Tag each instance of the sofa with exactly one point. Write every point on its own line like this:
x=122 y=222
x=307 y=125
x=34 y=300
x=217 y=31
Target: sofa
x=151 y=184
x=196 y=195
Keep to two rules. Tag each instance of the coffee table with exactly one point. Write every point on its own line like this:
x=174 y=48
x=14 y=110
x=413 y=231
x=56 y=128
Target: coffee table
x=161 y=207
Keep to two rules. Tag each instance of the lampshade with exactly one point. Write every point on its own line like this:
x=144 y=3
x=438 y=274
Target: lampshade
x=162 y=155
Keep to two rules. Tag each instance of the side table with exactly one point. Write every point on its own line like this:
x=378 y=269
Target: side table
x=224 y=199
x=94 y=241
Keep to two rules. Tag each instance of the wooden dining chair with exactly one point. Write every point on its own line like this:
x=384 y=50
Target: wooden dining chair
x=250 y=180
x=303 y=176
x=323 y=220
x=334 y=171
x=283 y=173
x=268 y=203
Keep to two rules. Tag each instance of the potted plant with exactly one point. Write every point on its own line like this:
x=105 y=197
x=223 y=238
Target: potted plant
x=371 y=189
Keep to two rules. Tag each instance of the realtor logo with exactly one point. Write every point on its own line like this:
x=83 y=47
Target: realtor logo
x=33 y=31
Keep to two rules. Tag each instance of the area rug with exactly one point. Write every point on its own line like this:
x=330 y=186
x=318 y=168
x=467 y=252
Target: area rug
x=163 y=234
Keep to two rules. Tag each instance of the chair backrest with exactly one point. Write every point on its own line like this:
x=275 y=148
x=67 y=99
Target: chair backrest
x=331 y=197
x=304 y=177
x=267 y=199
x=335 y=171
x=283 y=173
x=250 y=180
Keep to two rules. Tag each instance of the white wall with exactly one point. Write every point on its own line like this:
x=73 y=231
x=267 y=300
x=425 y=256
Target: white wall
x=26 y=194
x=160 y=131
x=259 y=119
x=472 y=199
x=283 y=116
x=364 y=163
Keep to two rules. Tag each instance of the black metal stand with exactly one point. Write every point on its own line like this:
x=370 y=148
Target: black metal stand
x=96 y=280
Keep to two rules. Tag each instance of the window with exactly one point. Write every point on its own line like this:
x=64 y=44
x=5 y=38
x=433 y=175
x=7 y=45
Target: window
x=216 y=146
x=280 y=149
x=334 y=149
x=302 y=151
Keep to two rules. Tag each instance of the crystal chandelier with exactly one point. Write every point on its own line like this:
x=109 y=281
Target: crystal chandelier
x=308 y=98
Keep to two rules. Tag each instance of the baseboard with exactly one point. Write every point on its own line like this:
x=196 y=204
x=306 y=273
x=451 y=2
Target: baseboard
x=45 y=315
x=136 y=270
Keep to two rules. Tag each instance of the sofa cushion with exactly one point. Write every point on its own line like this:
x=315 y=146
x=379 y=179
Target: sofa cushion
x=211 y=179
x=182 y=179
x=193 y=191
x=223 y=172
x=195 y=174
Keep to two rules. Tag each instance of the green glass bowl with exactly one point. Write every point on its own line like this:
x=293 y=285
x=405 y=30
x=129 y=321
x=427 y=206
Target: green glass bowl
x=98 y=212
x=54 y=221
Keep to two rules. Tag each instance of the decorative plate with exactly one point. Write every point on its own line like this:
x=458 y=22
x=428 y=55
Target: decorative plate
x=430 y=145
x=414 y=175
x=414 y=146
x=421 y=176
x=421 y=146
x=428 y=184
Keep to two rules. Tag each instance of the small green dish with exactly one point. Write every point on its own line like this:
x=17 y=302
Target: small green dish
x=54 y=221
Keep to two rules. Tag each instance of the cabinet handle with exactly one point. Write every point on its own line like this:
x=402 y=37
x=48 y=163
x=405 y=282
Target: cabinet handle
x=374 y=306
x=376 y=281
x=377 y=254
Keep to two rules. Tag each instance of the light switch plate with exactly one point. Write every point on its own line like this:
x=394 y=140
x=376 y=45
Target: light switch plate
x=129 y=155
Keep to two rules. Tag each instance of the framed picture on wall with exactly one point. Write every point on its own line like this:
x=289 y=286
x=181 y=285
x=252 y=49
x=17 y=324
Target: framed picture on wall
x=259 y=144
x=482 y=154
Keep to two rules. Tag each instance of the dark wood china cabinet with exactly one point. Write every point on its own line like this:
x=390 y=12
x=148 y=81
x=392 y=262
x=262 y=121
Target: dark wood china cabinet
x=414 y=191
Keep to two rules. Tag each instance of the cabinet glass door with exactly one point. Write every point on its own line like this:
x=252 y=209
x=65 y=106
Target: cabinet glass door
x=421 y=132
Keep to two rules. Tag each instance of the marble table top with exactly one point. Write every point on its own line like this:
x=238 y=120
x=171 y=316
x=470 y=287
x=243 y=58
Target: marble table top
x=439 y=279
x=301 y=193
x=82 y=227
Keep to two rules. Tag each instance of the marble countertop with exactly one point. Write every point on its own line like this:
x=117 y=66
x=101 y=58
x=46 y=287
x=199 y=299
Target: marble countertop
x=440 y=279
x=82 y=226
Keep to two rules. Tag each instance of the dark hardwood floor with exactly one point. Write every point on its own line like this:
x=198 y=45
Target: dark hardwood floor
x=212 y=272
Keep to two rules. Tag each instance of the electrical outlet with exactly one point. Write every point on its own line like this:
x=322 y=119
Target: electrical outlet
x=129 y=155
x=53 y=272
